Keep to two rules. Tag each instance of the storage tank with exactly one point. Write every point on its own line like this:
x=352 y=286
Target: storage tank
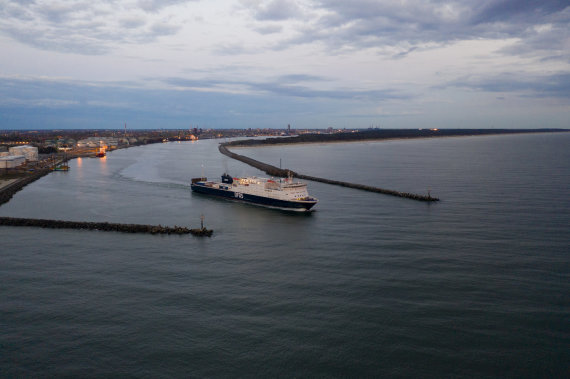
x=30 y=152
x=12 y=161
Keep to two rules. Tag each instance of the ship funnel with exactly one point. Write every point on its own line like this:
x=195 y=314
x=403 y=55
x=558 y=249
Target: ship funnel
x=227 y=179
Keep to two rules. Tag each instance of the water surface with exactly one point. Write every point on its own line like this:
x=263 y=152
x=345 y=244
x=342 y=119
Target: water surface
x=367 y=285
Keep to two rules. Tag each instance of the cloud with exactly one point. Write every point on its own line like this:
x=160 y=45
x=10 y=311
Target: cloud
x=301 y=78
x=41 y=103
x=157 y=5
x=404 y=53
x=85 y=27
x=363 y=24
x=163 y=29
x=517 y=11
x=132 y=22
x=548 y=40
x=268 y=29
x=286 y=86
x=537 y=86
x=37 y=103
x=233 y=48
x=273 y=10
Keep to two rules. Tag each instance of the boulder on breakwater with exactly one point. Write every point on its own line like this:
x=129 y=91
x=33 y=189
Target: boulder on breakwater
x=104 y=226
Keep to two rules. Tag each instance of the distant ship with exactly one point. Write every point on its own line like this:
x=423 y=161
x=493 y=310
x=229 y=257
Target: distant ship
x=281 y=193
x=101 y=153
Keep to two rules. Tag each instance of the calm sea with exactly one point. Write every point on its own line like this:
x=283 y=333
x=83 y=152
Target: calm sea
x=367 y=285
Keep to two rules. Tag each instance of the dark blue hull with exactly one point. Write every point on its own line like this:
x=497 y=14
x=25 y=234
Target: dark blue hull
x=260 y=200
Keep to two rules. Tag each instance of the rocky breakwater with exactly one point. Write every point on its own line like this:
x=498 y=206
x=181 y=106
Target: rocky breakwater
x=274 y=171
x=104 y=226
x=9 y=190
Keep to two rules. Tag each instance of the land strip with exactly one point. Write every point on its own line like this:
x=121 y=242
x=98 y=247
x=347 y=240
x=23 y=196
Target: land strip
x=383 y=134
x=365 y=135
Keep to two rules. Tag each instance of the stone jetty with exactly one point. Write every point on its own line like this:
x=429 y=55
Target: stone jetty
x=104 y=226
x=7 y=192
x=274 y=171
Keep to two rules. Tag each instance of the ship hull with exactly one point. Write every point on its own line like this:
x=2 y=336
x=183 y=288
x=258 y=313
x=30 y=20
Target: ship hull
x=254 y=199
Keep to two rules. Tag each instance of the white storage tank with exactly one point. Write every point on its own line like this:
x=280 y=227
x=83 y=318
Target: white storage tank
x=12 y=161
x=30 y=152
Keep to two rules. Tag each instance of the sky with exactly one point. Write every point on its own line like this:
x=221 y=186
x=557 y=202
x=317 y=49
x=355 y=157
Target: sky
x=269 y=63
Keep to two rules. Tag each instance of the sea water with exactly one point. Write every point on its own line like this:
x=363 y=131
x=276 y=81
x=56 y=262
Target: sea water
x=366 y=285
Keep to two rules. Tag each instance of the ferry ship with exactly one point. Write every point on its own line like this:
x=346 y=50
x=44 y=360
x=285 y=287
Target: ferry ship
x=274 y=193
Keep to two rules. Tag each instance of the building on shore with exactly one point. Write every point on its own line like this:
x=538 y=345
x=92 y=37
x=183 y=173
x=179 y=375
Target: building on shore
x=12 y=161
x=98 y=142
x=29 y=152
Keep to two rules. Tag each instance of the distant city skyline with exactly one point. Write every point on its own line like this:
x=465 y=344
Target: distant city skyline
x=266 y=64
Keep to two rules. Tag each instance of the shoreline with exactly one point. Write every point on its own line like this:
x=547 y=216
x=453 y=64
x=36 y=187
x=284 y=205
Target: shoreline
x=371 y=136
x=376 y=139
x=6 y=183
x=10 y=186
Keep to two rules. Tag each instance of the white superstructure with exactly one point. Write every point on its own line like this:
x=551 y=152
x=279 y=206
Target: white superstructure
x=282 y=189
x=276 y=193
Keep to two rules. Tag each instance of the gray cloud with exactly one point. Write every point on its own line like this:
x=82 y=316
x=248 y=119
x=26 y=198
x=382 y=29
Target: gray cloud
x=164 y=29
x=156 y=5
x=40 y=103
x=360 y=24
x=37 y=103
x=132 y=22
x=273 y=10
x=548 y=41
x=294 y=78
x=84 y=27
x=233 y=49
x=521 y=11
x=288 y=86
x=554 y=86
x=268 y=29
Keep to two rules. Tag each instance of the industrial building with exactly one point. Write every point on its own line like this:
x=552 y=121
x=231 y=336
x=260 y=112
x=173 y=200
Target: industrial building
x=12 y=161
x=96 y=142
x=29 y=152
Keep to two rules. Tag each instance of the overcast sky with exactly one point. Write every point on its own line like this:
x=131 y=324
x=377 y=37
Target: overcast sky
x=311 y=64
